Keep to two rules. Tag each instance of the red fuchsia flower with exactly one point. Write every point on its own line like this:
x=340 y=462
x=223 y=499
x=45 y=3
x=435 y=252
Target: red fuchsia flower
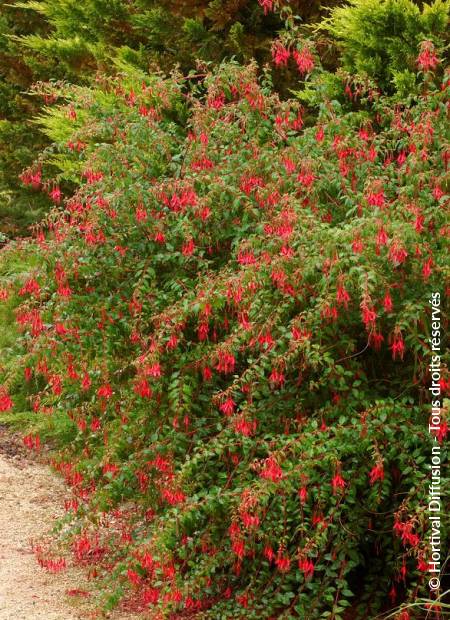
x=245 y=427
x=298 y=122
x=364 y=134
x=141 y=214
x=267 y=5
x=188 y=248
x=172 y=342
x=268 y=553
x=32 y=442
x=376 y=473
x=250 y=183
x=398 y=347
x=55 y=195
x=438 y=193
x=134 y=577
x=320 y=134
x=342 y=296
x=382 y=237
x=276 y=378
x=203 y=331
x=226 y=362
x=56 y=384
x=159 y=237
x=228 y=406
x=357 y=245
x=204 y=163
x=238 y=547
x=207 y=373
x=30 y=287
x=3 y=294
x=306 y=178
x=86 y=382
x=419 y=223
x=105 y=391
x=95 y=425
x=330 y=313
x=426 y=269
x=271 y=470
x=250 y=521
x=243 y=600
x=280 y=54
x=283 y=563
x=217 y=102
x=304 y=60
x=173 y=497
x=289 y=165
x=300 y=334
x=405 y=532
x=387 y=302
x=143 y=389
x=110 y=468
x=318 y=519
x=150 y=596
x=71 y=372
x=64 y=291
x=303 y=495
x=427 y=59
x=153 y=371
x=376 y=199
x=397 y=254
x=338 y=483
x=307 y=567
x=401 y=158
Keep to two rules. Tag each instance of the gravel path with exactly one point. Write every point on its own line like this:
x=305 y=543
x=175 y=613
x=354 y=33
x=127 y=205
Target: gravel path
x=31 y=497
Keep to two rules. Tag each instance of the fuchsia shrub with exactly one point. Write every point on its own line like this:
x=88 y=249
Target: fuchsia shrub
x=232 y=321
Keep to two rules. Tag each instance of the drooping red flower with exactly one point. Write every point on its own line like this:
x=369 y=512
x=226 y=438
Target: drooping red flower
x=228 y=406
x=387 y=302
x=276 y=378
x=427 y=59
x=143 y=389
x=271 y=470
x=150 y=596
x=398 y=347
x=105 y=391
x=304 y=60
x=280 y=54
x=426 y=269
x=86 y=382
x=303 y=494
x=376 y=473
x=369 y=315
x=283 y=563
x=188 y=248
x=226 y=362
x=338 y=482
x=342 y=296
x=306 y=566
x=397 y=253
x=382 y=236
x=55 y=195
x=267 y=5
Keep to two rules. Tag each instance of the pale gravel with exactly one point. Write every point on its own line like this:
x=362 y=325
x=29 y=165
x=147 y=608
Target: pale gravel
x=31 y=498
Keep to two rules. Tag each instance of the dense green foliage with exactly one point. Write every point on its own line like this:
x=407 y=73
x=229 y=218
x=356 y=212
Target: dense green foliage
x=72 y=41
x=223 y=324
